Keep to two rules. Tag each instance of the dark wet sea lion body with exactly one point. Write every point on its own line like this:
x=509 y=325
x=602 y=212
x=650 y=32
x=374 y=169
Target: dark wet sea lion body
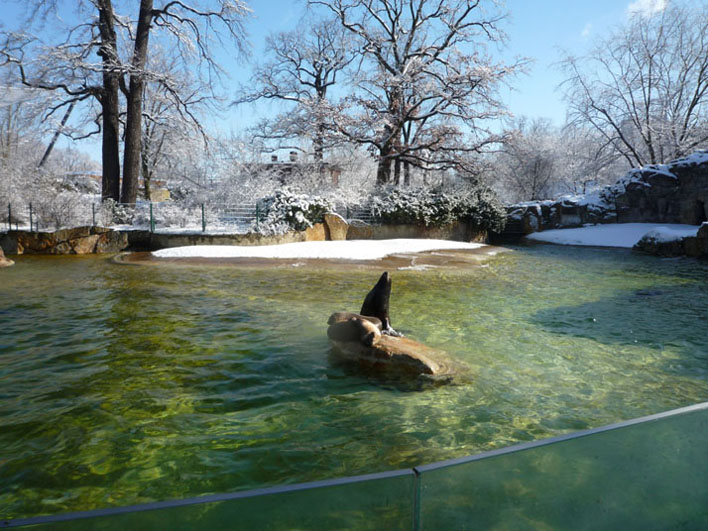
x=376 y=303
x=345 y=327
x=337 y=317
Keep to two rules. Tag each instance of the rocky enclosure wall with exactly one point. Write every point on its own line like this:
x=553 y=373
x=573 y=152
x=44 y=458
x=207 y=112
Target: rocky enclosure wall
x=676 y=192
x=79 y=240
x=88 y=240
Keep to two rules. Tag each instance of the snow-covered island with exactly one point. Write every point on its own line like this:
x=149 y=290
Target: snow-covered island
x=328 y=250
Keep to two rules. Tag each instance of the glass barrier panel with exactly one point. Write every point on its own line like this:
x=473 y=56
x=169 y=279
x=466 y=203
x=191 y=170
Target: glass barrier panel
x=382 y=502
x=648 y=475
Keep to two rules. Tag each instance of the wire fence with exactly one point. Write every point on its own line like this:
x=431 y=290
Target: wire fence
x=212 y=217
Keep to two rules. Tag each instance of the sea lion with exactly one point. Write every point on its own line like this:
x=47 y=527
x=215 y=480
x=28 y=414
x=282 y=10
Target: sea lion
x=376 y=304
x=345 y=316
x=351 y=327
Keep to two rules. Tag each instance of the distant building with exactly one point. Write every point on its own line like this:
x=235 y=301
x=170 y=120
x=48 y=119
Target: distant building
x=287 y=171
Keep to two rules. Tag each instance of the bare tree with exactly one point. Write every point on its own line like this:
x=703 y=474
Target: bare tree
x=424 y=99
x=191 y=29
x=302 y=66
x=645 y=87
x=168 y=121
x=67 y=65
x=528 y=163
x=20 y=112
x=586 y=161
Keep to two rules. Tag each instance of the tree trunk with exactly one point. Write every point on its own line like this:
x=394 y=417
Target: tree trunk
x=319 y=143
x=407 y=173
x=397 y=171
x=55 y=137
x=145 y=163
x=110 y=154
x=383 y=172
x=133 y=122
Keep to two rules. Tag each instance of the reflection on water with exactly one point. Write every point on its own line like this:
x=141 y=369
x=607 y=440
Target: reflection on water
x=129 y=384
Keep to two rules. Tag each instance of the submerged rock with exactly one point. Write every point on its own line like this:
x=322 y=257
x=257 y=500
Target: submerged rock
x=388 y=354
x=4 y=262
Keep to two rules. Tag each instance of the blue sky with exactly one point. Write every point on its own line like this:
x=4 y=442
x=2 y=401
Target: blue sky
x=538 y=29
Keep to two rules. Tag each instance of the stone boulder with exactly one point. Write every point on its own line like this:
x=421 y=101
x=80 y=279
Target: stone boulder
x=79 y=240
x=4 y=262
x=357 y=338
x=336 y=227
x=360 y=230
x=676 y=192
x=651 y=244
x=697 y=246
x=655 y=243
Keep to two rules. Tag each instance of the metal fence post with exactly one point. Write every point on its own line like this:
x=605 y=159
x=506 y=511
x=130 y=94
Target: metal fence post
x=152 y=220
x=31 y=219
x=203 y=219
x=258 y=215
x=93 y=214
x=9 y=216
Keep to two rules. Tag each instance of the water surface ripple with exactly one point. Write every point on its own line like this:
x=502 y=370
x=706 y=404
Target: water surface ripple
x=123 y=384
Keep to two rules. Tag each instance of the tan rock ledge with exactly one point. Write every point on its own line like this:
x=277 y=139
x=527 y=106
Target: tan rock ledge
x=448 y=260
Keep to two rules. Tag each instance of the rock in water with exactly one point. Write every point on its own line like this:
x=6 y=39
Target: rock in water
x=4 y=262
x=368 y=339
x=357 y=338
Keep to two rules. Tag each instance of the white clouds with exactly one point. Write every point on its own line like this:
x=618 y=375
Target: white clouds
x=646 y=8
x=587 y=30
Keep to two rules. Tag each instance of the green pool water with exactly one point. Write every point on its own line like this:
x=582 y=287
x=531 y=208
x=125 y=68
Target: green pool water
x=125 y=384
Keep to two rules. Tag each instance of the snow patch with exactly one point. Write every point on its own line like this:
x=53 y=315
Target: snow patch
x=332 y=250
x=665 y=234
x=613 y=235
x=699 y=157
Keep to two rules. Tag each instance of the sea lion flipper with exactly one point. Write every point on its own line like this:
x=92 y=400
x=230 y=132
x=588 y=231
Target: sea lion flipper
x=389 y=331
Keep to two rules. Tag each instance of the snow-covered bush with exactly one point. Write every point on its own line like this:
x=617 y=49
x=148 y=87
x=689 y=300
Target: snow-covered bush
x=286 y=210
x=177 y=214
x=436 y=207
x=60 y=210
x=113 y=213
x=482 y=207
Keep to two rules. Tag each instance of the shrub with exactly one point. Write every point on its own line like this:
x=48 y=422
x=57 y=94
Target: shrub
x=436 y=207
x=286 y=210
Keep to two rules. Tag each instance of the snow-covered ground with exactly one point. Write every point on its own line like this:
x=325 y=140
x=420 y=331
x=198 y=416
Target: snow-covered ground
x=333 y=250
x=614 y=235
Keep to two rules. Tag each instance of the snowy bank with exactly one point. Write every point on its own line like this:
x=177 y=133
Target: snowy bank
x=613 y=235
x=676 y=192
x=332 y=250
